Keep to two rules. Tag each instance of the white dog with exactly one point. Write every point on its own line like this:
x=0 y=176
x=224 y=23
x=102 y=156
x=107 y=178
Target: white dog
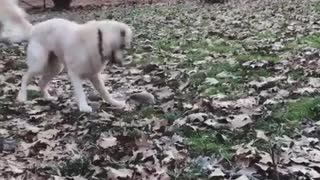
x=16 y=27
x=81 y=48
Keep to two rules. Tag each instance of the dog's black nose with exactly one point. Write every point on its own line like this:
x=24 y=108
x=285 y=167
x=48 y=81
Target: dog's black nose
x=114 y=60
x=122 y=46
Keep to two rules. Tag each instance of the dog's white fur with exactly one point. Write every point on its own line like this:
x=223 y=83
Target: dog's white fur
x=16 y=27
x=75 y=46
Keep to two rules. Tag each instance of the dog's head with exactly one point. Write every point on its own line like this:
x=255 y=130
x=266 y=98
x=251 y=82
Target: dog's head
x=16 y=26
x=117 y=36
x=120 y=33
x=11 y=11
x=125 y=36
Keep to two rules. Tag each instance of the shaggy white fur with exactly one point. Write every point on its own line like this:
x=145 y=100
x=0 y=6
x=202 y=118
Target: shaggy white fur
x=81 y=48
x=56 y=43
x=16 y=27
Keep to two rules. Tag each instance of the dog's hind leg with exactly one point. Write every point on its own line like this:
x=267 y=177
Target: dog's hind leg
x=53 y=68
x=99 y=86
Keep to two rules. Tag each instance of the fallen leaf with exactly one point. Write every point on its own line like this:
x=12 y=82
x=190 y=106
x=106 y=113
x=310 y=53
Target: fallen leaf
x=261 y=135
x=164 y=93
x=211 y=81
x=217 y=173
x=239 y=121
x=106 y=142
x=243 y=177
x=115 y=174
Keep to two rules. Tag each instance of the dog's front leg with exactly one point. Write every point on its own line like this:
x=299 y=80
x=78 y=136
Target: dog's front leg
x=22 y=95
x=99 y=86
x=79 y=92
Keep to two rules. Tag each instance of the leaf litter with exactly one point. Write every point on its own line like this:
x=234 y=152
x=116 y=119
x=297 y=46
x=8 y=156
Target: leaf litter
x=164 y=86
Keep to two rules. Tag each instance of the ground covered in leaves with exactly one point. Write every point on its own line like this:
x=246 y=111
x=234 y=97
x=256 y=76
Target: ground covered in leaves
x=237 y=97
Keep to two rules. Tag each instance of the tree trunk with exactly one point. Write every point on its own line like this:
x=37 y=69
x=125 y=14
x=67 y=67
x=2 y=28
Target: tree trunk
x=62 y=4
x=215 y=1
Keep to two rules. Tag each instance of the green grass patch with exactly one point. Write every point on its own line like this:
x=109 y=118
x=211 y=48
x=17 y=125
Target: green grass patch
x=225 y=85
x=316 y=6
x=266 y=35
x=76 y=167
x=286 y=118
x=295 y=46
x=166 y=44
x=142 y=112
x=196 y=50
x=172 y=116
x=231 y=88
x=32 y=94
x=231 y=83
x=256 y=57
x=297 y=74
x=207 y=143
x=147 y=112
x=221 y=46
x=275 y=127
x=193 y=172
x=298 y=110
x=312 y=40
x=215 y=45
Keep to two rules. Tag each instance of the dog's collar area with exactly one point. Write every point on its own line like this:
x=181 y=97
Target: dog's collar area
x=111 y=57
x=100 y=45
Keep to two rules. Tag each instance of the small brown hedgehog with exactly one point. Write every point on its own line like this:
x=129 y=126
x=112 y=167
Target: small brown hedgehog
x=143 y=98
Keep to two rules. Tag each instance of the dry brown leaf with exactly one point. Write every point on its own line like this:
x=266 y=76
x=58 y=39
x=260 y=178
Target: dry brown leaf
x=314 y=82
x=31 y=128
x=261 y=135
x=299 y=160
x=4 y=132
x=48 y=134
x=239 y=121
x=197 y=117
x=164 y=93
x=305 y=90
x=160 y=123
x=58 y=177
x=265 y=158
x=217 y=173
x=115 y=174
x=216 y=124
x=106 y=142
x=304 y=170
x=79 y=177
x=243 y=177
x=263 y=167
x=15 y=167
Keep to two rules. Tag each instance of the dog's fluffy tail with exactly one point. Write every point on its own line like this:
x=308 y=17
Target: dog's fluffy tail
x=15 y=25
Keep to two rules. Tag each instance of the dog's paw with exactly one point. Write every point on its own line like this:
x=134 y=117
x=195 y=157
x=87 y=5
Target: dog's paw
x=51 y=98
x=86 y=108
x=119 y=104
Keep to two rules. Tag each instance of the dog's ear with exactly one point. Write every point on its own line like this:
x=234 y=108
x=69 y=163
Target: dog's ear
x=1 y=27
x=123 y=37
x=122 y=33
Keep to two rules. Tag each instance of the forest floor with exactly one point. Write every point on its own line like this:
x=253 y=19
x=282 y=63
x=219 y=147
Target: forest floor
x=76 y=3
x=237 y=90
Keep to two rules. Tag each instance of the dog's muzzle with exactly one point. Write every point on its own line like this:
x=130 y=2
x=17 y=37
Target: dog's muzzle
x=122 y=46
x=114 y=61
